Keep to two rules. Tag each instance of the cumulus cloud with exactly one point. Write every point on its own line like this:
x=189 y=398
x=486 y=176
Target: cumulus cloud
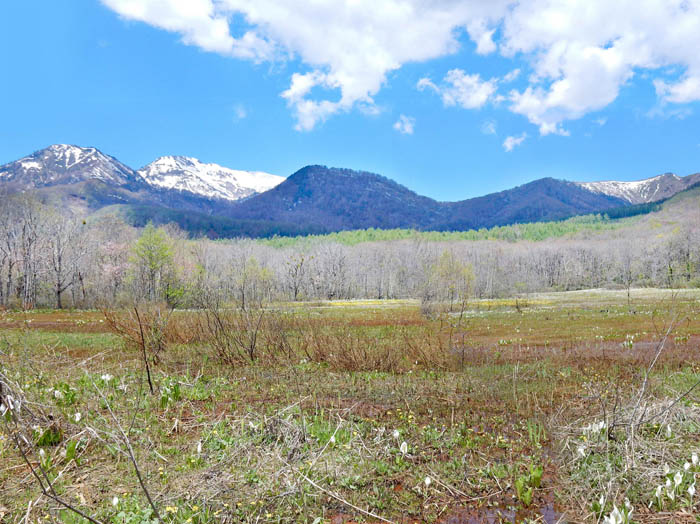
x=200 y=22
x=580 y=60
x=577 y=61
x=512 y=142
x=685 y=90
x=405 y=125
x=462 y=89
x=310 y=112
x=347 y=46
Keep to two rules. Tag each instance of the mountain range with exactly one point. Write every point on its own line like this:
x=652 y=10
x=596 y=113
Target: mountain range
x=210 y=199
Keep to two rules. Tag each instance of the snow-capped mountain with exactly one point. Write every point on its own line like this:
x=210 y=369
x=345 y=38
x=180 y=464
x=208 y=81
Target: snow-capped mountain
x=208 y=180
x=214 y=200
x=62 y=164
x=643 y=191
x=66 y=164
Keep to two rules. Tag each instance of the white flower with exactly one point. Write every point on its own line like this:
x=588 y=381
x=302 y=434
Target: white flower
x=42 y=453
x=601 y=501
x=77 y=417
x=628 y=506
x=106 y=377
x=669 y=432
x=57 y=394
x=395 y=434
x=691 y=490
x=694 y=459
x=614 y=518
x=427 y=482
x=581 y=451
x=199 y=447
x=668 y=483
x=678 y=478
x=667 y=470
x=617 y=515
x=686 y=466
x=115 y=501
x=332 y=440
x=403 y=448
x=659 y=491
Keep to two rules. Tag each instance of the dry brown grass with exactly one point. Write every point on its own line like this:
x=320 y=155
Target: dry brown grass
x=252 y=417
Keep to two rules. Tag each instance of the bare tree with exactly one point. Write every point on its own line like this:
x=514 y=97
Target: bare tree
x=65 y=251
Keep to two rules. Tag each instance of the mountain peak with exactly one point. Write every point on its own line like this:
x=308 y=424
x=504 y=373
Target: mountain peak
x=643 y=191
x=210 y=180
x=60 y=164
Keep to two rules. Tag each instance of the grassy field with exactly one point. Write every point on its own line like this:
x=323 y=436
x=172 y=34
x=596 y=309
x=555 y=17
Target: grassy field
x=534 y=409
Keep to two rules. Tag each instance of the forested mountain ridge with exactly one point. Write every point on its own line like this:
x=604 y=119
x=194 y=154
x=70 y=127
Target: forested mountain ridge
x=541 y=200
x=341 y=199
x=220 y=202
x=658 y=248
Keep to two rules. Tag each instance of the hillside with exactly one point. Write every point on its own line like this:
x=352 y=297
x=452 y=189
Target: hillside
x=340 y=199
x=209 y=199
x=542 y=200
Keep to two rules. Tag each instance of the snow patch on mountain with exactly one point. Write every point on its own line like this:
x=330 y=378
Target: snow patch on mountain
x=641 y=191
x=30 y=164
x=208 y=180
x=66 y=164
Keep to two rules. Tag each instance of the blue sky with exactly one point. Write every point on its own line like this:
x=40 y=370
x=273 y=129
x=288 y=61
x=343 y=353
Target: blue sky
x=270 y=86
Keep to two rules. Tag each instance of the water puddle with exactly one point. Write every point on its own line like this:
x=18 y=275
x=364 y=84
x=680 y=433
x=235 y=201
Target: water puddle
x=546 y=514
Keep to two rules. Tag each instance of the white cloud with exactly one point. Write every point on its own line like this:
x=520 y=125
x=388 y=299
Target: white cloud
x=578 y=54
x=405 y=125
x=310 y=112
x=601 y=121
x=460 y=88
x=240 y=112
x=200 y=22
x=489 y=127
x=512 y=76
x=580 y=60
x=348 y=46
x=512 y=142
x=584 y=79
x=683 y=91
x=482 y=35
x=664 y=111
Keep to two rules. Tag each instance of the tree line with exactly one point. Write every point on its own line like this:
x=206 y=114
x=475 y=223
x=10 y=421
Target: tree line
x=50 y=257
